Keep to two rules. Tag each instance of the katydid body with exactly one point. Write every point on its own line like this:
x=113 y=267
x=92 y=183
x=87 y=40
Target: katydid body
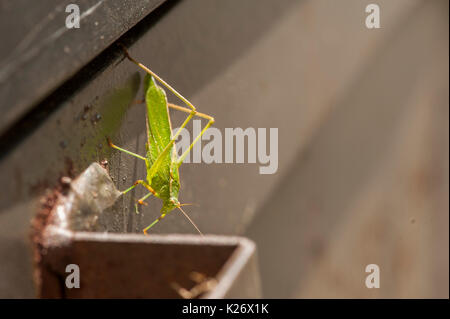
x=161 y=160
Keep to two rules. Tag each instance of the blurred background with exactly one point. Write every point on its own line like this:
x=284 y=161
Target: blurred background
x=362 y=116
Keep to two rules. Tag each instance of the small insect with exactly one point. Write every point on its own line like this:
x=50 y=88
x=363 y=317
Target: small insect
x=161 y=159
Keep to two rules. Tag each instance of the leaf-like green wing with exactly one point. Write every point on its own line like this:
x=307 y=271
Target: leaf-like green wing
x=159 y=152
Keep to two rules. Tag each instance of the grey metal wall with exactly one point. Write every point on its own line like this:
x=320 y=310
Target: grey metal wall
x=338 y=93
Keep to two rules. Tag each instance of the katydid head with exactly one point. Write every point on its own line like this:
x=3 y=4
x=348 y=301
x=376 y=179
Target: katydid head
x=173 y=203
x=170 y=205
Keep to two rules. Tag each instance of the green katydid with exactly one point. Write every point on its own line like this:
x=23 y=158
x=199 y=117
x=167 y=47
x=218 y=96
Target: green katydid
x=161 y=159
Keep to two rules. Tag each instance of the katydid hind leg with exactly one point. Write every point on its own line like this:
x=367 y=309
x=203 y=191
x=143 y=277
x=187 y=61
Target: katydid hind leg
x=159 y=79
x=192 y=112
x=197 y=138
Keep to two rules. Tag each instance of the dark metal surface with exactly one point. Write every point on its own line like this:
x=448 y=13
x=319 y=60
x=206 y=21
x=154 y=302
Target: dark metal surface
x=136 y=266
x=255 y=63
x=209 y=57
x=38 y=52
x=180 y=42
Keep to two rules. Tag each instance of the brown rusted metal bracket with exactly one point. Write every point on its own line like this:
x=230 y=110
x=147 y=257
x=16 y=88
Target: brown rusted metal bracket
x=113 y=265
x=139 y=266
